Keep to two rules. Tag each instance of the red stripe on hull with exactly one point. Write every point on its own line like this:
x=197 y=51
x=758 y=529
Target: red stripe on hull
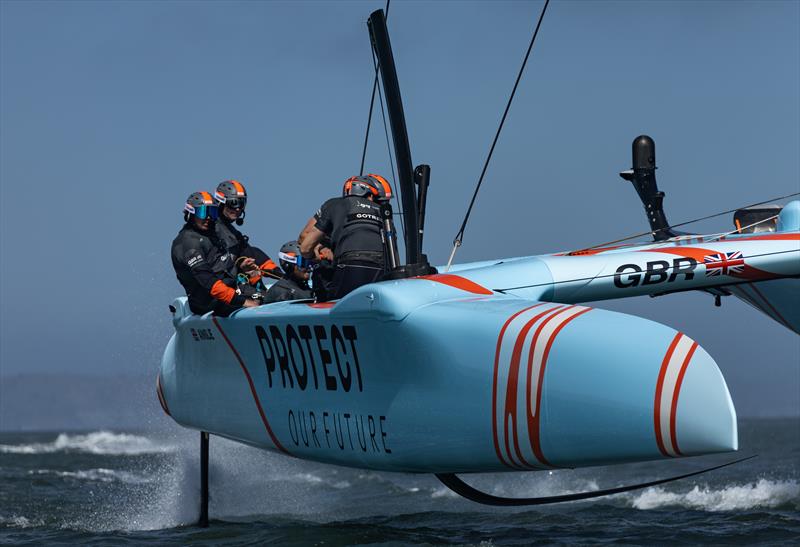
x=494 y=380
x=673 y=411
x=659 y=388
x=510 y=410
x=161 y=399
x=272 y=436
x=321 y=305
x=534 y=424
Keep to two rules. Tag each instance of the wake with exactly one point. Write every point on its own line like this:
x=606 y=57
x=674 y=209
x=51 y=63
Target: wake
x=765 y=493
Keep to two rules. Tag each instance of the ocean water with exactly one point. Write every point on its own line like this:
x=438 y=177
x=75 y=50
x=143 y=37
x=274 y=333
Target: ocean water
x=113 y=488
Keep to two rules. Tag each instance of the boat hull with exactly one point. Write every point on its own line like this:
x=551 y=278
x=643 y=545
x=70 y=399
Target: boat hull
x=425 y=376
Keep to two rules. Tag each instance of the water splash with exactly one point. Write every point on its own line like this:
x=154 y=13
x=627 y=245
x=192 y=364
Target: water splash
x=761 y=494
x=16 y=521
x=99 y=475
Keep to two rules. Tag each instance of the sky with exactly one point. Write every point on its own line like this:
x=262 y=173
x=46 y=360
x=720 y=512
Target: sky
x=111 y=113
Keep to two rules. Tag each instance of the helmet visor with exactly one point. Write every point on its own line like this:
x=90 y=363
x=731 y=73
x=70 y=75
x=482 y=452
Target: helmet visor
x=206 y=211
x=235 y=203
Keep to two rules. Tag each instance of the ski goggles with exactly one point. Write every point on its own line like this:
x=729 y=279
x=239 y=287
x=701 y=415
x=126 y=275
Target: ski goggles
x=235 y=203
x=203 y=211
x=297 y=260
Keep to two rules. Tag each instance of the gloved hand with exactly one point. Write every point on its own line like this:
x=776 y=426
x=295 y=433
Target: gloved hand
x=247 y=265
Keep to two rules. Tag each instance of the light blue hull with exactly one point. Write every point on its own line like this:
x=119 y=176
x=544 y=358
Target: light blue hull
x=440 y=375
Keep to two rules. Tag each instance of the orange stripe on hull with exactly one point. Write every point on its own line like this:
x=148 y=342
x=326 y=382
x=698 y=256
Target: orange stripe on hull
x=457 y=282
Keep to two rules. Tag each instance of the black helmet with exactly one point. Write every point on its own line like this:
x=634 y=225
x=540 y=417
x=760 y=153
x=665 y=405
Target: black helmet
x=288 y=255
x=201 y=205
x=371 y=184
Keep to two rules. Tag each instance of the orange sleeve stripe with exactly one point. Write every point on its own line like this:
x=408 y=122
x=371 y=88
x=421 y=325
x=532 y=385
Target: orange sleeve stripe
x=221 y=291
x=269 y=265
x=253 y=279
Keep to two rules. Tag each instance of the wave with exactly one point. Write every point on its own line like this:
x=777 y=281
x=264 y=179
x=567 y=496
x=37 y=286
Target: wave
x=19 y=522
x=310 y=478
x=97 y=475
x=762 y=494
x=98 y=442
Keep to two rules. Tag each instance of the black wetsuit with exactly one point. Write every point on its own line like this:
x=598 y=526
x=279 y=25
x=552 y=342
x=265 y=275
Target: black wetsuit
x=322 y=280
x=205 y=269
x=355 y=229
x=238 y=245
x=287 y=288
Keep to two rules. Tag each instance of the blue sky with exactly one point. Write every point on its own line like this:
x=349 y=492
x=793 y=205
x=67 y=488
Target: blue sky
x=112 y=112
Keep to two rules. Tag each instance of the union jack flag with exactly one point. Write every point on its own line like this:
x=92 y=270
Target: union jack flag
x=724 y=263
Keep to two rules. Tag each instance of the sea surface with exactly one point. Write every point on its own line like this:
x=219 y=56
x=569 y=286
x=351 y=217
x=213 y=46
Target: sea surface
x=115 y=488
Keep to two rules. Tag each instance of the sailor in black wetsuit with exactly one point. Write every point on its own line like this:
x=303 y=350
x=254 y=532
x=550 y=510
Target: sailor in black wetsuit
x=354 y=225
x=294 y=283
x=202 y=263
x=231 y=197
x=322 y=273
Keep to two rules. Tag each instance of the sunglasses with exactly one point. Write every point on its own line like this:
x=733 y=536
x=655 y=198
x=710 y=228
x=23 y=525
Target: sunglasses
x=206 y=211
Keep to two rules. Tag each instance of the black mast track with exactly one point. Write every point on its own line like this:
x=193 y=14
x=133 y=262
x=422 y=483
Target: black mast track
x=405 y=170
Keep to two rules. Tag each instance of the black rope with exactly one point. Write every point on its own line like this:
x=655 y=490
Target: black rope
x=398 y=195
x=654 y=232
x=369 y=122
x=371 y=102
x=459 y=237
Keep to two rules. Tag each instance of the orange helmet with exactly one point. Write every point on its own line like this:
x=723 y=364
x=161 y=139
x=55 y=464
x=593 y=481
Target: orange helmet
x=374 y=185
x=231 y=193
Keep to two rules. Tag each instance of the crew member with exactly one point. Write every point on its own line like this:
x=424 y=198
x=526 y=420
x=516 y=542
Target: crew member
x=353 y=224
x=231 y=197
x=322 y=273
x=202 y=263
x=294 y=283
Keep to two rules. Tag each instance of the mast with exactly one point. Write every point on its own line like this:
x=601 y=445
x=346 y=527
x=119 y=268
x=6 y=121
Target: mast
x=405 y=171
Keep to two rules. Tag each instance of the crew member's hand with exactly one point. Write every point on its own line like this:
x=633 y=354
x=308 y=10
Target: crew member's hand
x=251 y=303
x=248 y=266
x=322 y=252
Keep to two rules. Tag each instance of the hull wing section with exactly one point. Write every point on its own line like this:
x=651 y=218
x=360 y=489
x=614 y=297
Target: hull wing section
x=762 y=269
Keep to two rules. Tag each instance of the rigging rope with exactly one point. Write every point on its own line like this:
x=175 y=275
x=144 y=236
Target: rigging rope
x=460 y=235
x=398 y=195
x=371 y=101
x=654 y=232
